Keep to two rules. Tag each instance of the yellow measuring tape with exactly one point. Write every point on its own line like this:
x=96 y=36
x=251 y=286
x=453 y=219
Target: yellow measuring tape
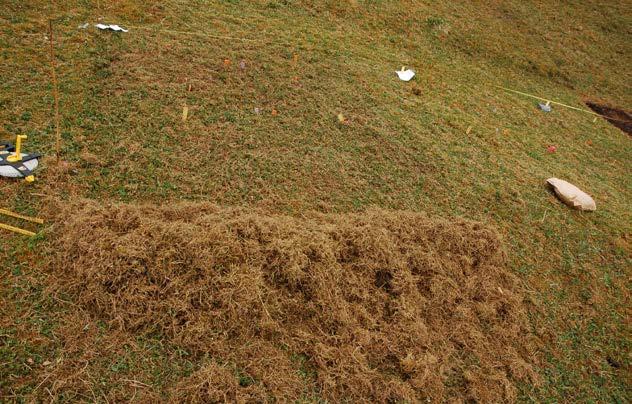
x=22 y=217
x=553 y=102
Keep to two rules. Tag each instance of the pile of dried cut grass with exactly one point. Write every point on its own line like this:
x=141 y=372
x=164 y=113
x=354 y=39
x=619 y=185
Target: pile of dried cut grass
x=380 y=306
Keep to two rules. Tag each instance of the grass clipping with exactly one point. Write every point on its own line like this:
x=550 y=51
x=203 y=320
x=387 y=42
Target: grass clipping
x=380 y=306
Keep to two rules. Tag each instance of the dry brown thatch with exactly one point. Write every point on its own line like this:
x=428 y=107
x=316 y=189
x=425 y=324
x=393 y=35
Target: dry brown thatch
x=379 y=306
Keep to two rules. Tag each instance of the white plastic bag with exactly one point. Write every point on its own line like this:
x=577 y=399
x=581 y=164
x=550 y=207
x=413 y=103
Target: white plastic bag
x=405 y=75
x=111 y=27
x=571 y=195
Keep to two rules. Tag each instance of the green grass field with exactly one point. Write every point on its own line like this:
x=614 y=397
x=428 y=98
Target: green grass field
x=449 y=143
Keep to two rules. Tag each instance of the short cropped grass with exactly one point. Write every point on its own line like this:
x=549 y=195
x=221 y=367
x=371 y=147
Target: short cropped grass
x=264 y=82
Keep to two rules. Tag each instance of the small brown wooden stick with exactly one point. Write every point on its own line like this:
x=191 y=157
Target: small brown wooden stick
x=55 y=89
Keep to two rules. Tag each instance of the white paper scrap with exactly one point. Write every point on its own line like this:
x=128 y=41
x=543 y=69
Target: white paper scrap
x=117 y=28
x=405 y=75
x=112 y=27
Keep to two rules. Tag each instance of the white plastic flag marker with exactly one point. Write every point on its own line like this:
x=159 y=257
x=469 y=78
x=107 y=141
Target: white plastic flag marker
x=112 y=27
x=405 y=75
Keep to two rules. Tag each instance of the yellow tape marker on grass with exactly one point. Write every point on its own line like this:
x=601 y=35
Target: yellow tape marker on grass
x=551 y=102
x=18 y=216
x=16 y=230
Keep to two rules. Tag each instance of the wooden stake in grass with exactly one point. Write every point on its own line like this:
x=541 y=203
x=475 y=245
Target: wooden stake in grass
x=185 y=113
x=55 y=90
x=18 y=216
x=16 y=230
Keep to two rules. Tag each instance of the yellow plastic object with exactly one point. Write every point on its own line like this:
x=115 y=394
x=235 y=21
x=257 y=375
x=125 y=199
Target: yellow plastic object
x=18 y=216
x=30 y=178
x=18 y=149
x=16 y=230
x=22 y=217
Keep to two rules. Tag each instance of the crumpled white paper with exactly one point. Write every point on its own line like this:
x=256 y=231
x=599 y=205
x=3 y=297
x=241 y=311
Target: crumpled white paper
x=405 y=75
x=112 y=27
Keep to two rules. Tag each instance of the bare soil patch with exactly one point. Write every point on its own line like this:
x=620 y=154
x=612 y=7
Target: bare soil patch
x=618 y=117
